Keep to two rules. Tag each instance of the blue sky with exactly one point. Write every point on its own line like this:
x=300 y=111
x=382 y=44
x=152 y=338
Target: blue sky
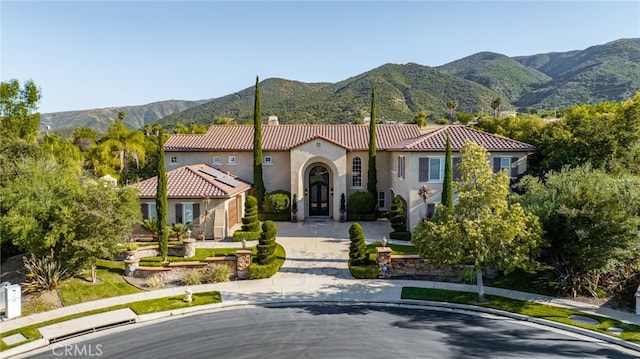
x=94 y=54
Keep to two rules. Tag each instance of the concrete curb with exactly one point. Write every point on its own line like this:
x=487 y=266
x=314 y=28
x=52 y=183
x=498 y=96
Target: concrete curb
x=461 y=308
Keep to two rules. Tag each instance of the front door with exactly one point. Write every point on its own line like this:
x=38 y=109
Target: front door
x=319 y=191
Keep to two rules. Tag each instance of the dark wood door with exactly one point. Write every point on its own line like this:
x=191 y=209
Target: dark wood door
x=319 y=191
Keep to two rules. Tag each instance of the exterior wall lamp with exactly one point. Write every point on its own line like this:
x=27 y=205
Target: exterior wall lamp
x=331 y=191
x=306 y=192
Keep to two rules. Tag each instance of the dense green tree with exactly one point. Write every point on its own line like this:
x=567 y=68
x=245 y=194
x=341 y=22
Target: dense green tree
x=447 y=183
x=125 y=144
x=103 y=219
x=372 y=172
x=484 y=229
x=420 y=118
x=162 y=206
x=267 y=243
x=591 y=220
x=258 y=182
x=50 y=210
x=84 y=138
x=19 y=111
x=358 y=248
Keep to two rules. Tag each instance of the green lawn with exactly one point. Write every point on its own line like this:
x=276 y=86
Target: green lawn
x=631 y=332
x=141 y=307
x=110 y=284
x=541 y=282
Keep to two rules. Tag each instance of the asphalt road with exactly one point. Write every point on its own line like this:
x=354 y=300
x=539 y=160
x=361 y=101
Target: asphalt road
x=335 y=331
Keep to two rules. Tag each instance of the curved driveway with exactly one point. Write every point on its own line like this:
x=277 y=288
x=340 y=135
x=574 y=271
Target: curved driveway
x=338 y=331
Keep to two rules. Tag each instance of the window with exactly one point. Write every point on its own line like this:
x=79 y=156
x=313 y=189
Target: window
x=188 y=213
x=382 y=203
x=401 y=167
x=173 y=159
x=231 y=160
x=356 y=172
x=216 y=160
x=149 y=210
x=318 y=144
x=436 y=169
x=505 y=163
x=267 y=160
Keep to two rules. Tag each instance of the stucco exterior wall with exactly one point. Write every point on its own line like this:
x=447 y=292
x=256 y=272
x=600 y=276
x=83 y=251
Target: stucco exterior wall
x=408 y=187
x=303 y=158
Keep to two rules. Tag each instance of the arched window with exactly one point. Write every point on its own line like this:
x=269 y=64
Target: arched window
x=356 y=172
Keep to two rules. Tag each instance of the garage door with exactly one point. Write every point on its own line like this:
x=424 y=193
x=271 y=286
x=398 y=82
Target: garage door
x=232 y=213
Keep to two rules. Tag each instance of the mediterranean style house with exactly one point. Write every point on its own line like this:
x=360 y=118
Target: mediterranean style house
x=317 y=163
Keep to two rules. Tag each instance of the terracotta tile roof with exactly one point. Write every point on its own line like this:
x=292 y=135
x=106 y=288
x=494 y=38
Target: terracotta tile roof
x=459 y=134
x=286 y=137
x=192 y=182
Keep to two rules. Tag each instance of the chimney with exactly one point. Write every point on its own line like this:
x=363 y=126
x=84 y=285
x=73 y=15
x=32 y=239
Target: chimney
x=366 y=120
x=273 y=120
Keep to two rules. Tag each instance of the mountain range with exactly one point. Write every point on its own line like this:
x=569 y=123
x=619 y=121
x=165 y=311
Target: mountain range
x=608 y=72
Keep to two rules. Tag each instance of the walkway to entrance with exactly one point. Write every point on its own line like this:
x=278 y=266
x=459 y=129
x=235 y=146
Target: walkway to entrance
x=320 y=246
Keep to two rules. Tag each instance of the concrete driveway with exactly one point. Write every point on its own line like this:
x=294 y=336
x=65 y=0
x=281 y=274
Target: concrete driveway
x=320 y=247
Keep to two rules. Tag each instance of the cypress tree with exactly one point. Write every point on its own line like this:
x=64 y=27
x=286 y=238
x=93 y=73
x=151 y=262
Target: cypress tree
x=447 y=184
x=258 y=182
x=372 y=173
x=161 y=201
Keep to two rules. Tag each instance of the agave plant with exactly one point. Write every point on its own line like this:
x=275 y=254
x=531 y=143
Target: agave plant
x=43 y=273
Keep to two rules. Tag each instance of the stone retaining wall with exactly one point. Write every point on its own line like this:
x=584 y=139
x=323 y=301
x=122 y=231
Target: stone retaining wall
x=412 y=266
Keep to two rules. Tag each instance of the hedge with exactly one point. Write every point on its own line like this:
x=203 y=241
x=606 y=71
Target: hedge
x=361 y=217
x=249 y=236
x=400 y=235
x=277 y=202
x=370 y=271
x=276 y=217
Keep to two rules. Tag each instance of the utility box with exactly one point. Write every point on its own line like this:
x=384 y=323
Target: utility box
x=13 y=301
x=3 y=288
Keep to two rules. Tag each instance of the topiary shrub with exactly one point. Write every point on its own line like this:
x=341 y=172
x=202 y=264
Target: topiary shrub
x=257 y=271
x=397 y=215
x=267 y=246
x=358 y=255
x=277 y=202
x=370 y=271
x=250 y=221
x=362 y=206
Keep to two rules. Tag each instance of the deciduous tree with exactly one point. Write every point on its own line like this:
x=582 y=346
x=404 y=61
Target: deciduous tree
x=484 y=230
x=19 y=111
x=591 y=220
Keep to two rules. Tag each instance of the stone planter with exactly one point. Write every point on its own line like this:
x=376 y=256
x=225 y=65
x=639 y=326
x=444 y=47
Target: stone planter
x=189 y=247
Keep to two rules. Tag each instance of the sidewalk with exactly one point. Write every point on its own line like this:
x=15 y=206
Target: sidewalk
x=309 y=289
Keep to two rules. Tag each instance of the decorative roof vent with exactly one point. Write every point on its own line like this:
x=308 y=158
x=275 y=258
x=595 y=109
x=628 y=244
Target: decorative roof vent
x=273 y=120
x=366 y=120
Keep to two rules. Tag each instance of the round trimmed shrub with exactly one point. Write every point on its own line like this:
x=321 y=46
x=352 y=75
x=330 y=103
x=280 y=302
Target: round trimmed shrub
x=277 y=202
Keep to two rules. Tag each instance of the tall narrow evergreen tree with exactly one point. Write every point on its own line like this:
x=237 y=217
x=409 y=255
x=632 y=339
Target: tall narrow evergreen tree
x=161 y=201
x=258 y=182
x=447 y=183
x=372 y=173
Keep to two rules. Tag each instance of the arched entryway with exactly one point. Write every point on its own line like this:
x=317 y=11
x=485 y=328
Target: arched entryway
x=319 y=195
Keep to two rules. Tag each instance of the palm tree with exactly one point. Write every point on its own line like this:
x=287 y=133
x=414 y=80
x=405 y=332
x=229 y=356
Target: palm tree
x=452 y=105
x=151 y=225
x=125 y=144
x=495 y=105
